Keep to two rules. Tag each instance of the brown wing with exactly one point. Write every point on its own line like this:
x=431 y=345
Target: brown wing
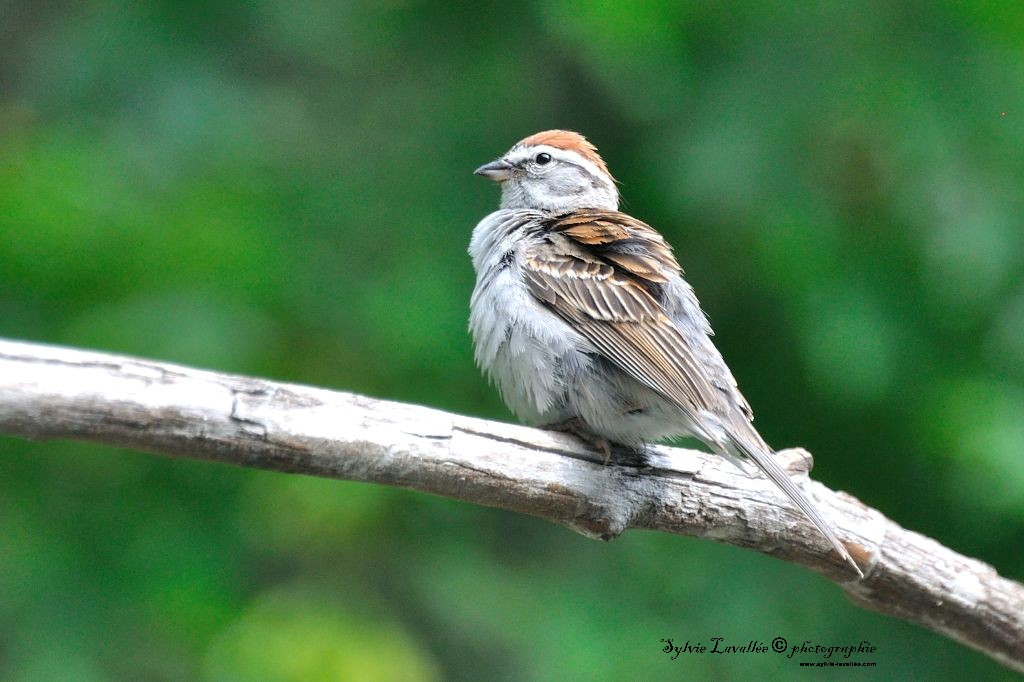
x=601 y=272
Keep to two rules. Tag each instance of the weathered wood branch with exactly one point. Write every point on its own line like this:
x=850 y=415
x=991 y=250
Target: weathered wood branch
x=51 y=392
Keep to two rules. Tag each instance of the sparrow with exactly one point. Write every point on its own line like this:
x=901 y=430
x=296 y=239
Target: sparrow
x=582 y=319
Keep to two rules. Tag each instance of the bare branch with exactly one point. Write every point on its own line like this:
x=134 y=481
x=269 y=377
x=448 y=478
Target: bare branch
x=50 y=392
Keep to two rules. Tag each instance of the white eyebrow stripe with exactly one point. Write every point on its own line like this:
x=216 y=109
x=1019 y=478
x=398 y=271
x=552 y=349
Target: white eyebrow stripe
x=523 y=153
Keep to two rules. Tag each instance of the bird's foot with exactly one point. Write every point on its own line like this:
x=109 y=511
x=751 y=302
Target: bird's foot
x=622 y=454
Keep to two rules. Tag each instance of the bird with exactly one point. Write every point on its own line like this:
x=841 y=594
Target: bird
x=582 y=319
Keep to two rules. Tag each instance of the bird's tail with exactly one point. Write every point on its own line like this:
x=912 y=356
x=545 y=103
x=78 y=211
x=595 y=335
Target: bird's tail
x=765 y=461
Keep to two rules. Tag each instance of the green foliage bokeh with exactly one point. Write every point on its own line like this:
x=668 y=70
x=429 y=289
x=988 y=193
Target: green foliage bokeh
x=284 y=190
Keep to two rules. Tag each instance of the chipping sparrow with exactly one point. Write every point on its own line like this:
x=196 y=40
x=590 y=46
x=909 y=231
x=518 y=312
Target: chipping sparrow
x=582 y=319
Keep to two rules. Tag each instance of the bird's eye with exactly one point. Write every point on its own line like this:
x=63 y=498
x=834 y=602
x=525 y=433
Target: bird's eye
x=543 y=158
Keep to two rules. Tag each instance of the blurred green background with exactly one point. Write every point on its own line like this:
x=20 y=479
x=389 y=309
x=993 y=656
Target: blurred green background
x=284 y=189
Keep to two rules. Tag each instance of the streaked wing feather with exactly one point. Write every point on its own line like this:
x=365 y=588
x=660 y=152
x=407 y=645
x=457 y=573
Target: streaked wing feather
x=600 y=271
x=588 y=233
x=606 y=294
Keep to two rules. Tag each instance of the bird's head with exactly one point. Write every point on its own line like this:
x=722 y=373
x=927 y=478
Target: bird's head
x=556 y=170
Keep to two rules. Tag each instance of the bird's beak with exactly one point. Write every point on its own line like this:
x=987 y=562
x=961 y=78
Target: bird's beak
x=495 y=170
